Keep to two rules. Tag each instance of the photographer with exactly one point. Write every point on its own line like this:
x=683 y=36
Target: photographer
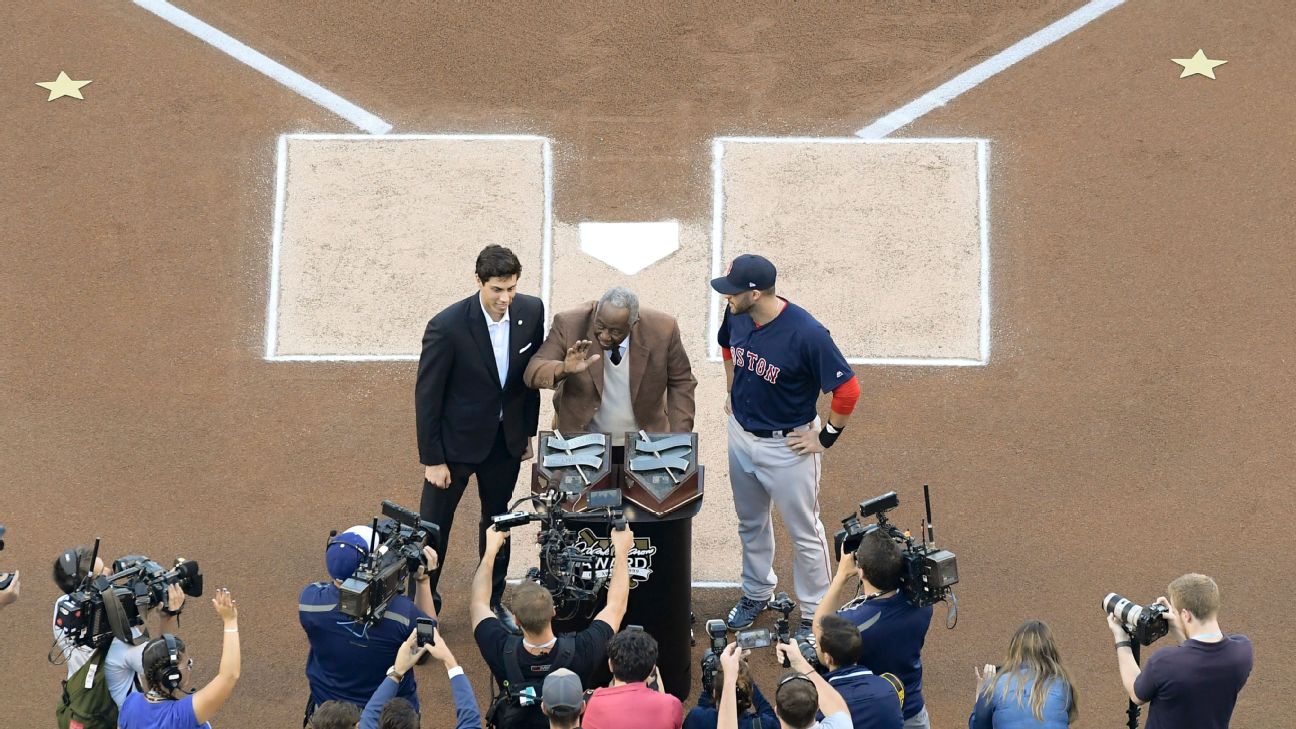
x=892 y=629
x=520 y=663
x=1030 y=690
x=754 y=711
x=1196 y=683
x=170 y=703
x=874 y=701
x=800 y=696
x=385 y=711
x=348 y=658
x=630 y=702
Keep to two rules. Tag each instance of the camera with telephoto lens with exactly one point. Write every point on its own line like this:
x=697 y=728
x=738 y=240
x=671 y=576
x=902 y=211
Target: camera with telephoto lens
x=1144 y=623
x=5 y=577
x=929 y=574
x=397 y=550
x=570 y=567
x=104 y=607
x=717 y=633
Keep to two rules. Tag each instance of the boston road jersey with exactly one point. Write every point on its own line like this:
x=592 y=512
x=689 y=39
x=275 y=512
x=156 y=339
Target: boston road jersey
x=780 y=368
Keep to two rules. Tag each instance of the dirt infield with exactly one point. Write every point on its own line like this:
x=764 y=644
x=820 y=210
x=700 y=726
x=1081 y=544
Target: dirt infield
x=1134 y=421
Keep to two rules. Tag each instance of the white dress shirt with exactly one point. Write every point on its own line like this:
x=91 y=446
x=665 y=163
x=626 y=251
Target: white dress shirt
x=499 y=336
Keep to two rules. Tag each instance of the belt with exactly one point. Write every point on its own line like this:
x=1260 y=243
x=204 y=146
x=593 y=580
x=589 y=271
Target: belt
x=772 y=433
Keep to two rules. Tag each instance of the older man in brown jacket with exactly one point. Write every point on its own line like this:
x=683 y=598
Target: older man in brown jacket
x=614 y=368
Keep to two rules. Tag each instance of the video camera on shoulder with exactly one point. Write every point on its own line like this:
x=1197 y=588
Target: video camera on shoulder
x=105 y=607
x=397 y=550
x=929 y=574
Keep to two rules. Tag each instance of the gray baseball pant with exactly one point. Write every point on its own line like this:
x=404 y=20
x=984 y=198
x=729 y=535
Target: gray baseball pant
x=765 y=472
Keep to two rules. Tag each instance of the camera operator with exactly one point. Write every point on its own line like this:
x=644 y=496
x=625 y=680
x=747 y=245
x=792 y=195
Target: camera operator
x=125 y=662
x=528 y=658
x=892 y=629
x=71 y=569
x=9 y=595
x=385 y=711
x=1196 y=683
x=754 y=711
x=874 y=701
x=630 y=702
x=348 y=659
x=170 y=703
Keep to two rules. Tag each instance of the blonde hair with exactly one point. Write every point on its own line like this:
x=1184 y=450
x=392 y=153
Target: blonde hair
x=533 y=607
x=1033 y=660
x=1198 y=594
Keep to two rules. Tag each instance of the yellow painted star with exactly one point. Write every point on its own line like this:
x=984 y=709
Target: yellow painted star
x=1198 y=64
x=63 y=86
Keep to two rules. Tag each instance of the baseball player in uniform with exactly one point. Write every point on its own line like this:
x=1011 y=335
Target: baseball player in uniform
x=778 y=359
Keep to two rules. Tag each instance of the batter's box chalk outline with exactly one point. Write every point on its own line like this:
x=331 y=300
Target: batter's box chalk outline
x=717 y=241
x=281 y=187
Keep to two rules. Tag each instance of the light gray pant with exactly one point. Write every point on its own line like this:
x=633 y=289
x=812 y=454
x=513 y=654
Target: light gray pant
x=765 y=472
x=918 y=721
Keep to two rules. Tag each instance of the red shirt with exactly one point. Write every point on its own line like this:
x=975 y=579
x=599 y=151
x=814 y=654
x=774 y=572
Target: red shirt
x=632 y=706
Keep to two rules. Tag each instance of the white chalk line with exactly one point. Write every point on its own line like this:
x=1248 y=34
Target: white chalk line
x=717 y=242
x=973 y=77
x=983 y=202
x=276 y=241
x=238 y=50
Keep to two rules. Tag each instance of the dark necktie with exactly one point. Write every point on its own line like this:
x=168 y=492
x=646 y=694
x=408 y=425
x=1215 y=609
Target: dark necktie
x=615 y=356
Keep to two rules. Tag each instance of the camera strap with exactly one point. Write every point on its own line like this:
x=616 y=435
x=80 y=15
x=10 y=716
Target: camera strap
x=514 y=681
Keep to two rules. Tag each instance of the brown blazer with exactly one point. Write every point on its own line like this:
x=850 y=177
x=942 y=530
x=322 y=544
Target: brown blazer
x=661 y=378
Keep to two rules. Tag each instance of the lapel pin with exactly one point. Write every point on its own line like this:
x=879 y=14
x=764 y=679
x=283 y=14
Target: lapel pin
x=519 y=322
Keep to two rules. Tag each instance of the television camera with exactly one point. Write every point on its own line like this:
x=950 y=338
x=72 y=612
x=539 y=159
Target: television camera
x=566 y=570
x=104 y=607
x=929 y=573
x=396 y=550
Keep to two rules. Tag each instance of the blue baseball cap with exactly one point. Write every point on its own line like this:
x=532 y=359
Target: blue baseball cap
x=748 y=272
x=346 y=551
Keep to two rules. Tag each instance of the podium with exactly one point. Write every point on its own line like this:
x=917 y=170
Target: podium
x=661 y=484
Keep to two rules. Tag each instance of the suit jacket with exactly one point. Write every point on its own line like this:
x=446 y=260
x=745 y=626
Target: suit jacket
x=458 y=395
x=661 y=378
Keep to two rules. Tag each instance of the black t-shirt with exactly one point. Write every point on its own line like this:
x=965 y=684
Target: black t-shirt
x=591 y=649
x=1195 y=685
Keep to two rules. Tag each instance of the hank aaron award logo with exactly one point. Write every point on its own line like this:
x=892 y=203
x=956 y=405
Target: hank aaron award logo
x=600 y=550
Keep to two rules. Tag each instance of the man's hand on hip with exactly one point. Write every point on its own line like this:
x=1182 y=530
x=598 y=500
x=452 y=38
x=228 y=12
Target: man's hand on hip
x=805 y=442
x=438 y=475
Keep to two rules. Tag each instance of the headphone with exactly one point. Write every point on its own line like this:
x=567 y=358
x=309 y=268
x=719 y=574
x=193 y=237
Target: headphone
x=168 y=676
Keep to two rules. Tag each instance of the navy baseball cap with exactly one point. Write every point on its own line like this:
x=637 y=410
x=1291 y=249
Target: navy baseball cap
x=748 y=272
x=346 y=551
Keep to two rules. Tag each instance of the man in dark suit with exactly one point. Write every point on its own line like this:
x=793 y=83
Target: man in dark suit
x=615 y=368
x=475 y=415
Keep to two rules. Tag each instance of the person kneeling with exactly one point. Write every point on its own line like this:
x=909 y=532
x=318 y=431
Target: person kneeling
x=630 y=702
x=875 y=701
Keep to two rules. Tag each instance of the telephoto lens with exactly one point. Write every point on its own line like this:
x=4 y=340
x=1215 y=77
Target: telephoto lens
x=1145 y=624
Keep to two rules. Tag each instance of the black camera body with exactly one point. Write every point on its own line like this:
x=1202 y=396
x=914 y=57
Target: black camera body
x=109 y=606
x=566 y=570
x=1145 y=624
x=717 y=633
x=397 y=550
x=929 y=573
